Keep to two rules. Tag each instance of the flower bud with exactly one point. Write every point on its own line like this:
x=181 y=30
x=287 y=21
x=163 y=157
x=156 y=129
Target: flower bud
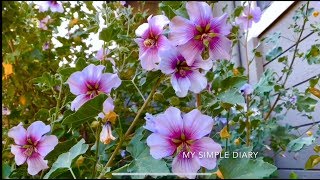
x=106 y=133
x=237 y=142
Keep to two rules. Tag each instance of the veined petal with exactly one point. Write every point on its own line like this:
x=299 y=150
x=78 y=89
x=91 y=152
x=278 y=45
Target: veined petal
x=160 y=146
x=256 y=13
x=36 y=163
x=197 y=125
x=56 y=7
x=169 y=60
x=206 y=145
x=181 y=31
x=77 y=83
x=181 y=85
x=185 y=166
x=19 y=134
x=156 y=23
x=191 y=50
x=198 y=81
x=199 y=12
x=163 y=43
x=19 y=156
x=219 y=48
x=220 y=26
x=149 y=59
x=93 y=73
x=109 y=81
x=36 y=130
x=108 y=105
x=142 y=47
x=199 y=63
x=142 y=29
x=46 y=144
x=169 y=124
x=79 y=101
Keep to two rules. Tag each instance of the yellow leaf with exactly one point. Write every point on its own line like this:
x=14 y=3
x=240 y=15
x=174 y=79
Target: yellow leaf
x=219 y=174
x=314 y=91
x=7 y=70
x=235 y=71
x=23 y=100
x=224 y=133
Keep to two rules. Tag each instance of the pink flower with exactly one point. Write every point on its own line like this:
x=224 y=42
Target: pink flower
x=90 y=82
x=43 y=23
x=46 y=46
x=184 y=77
x=151 y=40
x=54 y=6
x=106 y=134
x=176 y=134
x=246 y=89
x=192 y=36
x=108 y=106
x=102 y=55
x=248 y=15
x=150 y=125
x=32 y=145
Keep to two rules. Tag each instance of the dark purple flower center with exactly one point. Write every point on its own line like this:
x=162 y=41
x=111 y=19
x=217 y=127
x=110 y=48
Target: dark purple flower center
x=204 y=33
x=30 y=147
x=93 y=90
x=182 y=143
x=54 y=2
x=182 y=68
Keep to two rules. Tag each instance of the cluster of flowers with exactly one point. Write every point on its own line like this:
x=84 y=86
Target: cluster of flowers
x=180 y=56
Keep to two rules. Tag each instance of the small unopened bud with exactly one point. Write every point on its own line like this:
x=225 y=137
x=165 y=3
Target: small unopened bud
x=106 y=133
x=237 y=142
x=94 y=124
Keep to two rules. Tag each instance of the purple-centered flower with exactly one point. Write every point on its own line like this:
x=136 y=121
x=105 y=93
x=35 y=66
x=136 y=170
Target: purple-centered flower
x=102 y=55
x=108 y=107
x=43 y=23
x=151 y=40
x=184 y=77
x=182 y=135
x=90 y=82
x=54 y=6
x=192 y=36
x=106 y=133
x=248 y=16
x=46 y=46
x=32 y=145
x=246 y=89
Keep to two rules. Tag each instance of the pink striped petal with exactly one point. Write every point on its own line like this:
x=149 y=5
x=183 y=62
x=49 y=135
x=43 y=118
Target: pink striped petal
x=19 y=156
x=160 y=146
x=36 y=130
x=109 y=81
x=142 y=30
x=220 y=26
x=46 y=144
x=198 y=81
x=19 y=134
x=199 y=63
x=77 y=83
x=191 y=50
x=181 y=85
x=36 y=163
x=93 y=73
x=181 y=31
x=219 y=48
x=79 y=101
x=56 y=7
x=149 y=59
x=157 y=23
x=199 y=12
x=203 y=146
x=184 y=166
x=168 y=61
x=169 y=124
x=197 y=125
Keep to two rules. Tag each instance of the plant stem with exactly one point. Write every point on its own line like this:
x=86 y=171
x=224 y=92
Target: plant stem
x=198 y=99
x=57 y=106
x=134 y=122
x=97 y=152
x=248 y=125
x=74 y=177
x=291 y=64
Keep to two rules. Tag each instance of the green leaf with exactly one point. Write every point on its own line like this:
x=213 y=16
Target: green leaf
x=305 y=103
x=6 y=170
x=312 y=162
x=86 y=112
x=313 y=54
x=298 y=144
x=231 y=96
x=64 y=161
x=143 y=162
x=245 y=168
x=62 y=147
x=293 y=175
x=274 y=53
x=238 y=11
x=265 y=83
x=109 y=33
x=46 y=81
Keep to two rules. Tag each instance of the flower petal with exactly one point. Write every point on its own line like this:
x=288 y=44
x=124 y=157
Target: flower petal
x=181 y=31
x=142 y=47
x=36 y=130
x=219 y=48
x=157 y=23
x=149 y=59
x=199 y=63
x=160 y=146
x=36 y=163
x=185 y=166
x=191 y=50
x=79 y=101
x=196 y=124
x=43 y=5
x=46 y=144
x=109 y=81
x=56 y=7
x=93 y=73
x=150 y=124
x=168 y=61
x=163 y=43
x=199 y=12
x=169 y=124
x=181 y=85
x=256 y=13
x=108 y=105
x=198 y=81
x=206 y=145
x=220 y=26
x=19 y=134
x=142 y=29
x=19 y=155
x=77 y=83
